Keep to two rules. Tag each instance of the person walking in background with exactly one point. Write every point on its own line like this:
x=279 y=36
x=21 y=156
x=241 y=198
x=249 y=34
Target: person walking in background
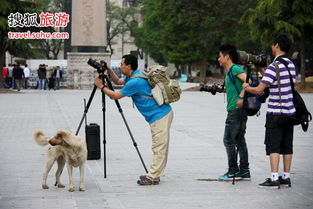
x=4 y=74
x=10 y=76
x=42 y=75
x=57 y=73
x=26 y=74
x=18 y=75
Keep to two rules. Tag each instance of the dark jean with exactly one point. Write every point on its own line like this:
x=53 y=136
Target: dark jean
x=234 y=135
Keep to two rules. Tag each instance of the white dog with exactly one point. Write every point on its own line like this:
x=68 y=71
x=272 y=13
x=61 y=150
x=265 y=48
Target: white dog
x=65 y=147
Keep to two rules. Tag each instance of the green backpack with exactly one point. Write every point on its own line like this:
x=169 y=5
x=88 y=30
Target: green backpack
x=165 y=90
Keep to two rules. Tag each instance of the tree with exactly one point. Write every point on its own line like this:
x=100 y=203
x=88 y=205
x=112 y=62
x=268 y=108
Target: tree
x=16 y=47
x=174 y=31
x=120 y=21
x=186 y=33
x=292 y=17
x=51 y=47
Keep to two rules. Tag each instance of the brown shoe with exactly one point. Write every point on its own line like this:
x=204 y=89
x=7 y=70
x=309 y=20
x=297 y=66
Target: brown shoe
x=144 y=180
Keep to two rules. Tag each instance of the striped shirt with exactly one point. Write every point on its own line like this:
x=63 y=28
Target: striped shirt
x=283 y=104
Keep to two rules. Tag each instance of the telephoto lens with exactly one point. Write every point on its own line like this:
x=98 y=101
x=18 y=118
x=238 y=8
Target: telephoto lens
x=96 y=65
x=245 y=58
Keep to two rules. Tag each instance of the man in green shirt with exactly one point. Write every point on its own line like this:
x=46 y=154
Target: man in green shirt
x=235 y=125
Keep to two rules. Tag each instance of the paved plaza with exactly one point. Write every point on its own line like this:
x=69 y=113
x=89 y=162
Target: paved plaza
x=196 y=152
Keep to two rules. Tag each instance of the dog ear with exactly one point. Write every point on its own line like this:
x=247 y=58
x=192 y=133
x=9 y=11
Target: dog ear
x=62 y=135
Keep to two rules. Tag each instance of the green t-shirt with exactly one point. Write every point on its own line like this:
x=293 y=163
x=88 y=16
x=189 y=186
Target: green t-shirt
x=231 y=92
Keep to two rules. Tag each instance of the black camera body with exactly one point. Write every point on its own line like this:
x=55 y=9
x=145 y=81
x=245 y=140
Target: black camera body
x=100 y=67
x=245 y=58
x=212 y=88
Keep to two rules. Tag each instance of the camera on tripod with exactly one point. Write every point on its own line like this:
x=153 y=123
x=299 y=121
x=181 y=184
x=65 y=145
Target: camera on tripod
x=100 y=67
x=212 y=88
x=245 y=58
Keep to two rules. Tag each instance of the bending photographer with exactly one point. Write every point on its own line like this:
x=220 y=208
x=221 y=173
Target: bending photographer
x=158 y=117
x=278 y=140
x=235 y=125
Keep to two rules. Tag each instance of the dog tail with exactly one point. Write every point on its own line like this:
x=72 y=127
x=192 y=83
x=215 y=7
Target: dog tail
x=40 y=139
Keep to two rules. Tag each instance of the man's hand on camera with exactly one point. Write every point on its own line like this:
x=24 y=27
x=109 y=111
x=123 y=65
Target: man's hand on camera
x=104 y=64
x=99 y=83
x=245 y=86
x=261 y=70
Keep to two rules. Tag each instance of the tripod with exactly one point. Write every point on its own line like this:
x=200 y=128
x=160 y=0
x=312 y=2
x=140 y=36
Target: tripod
x=104 y=77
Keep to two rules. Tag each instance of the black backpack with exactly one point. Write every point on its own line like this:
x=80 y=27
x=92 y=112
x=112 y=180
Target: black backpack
x=302 y=116
x=252 y=102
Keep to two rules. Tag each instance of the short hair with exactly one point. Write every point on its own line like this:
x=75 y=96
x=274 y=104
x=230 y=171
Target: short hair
x=284 y=43
x=131 y=60
x=26 y=65
x=228 y=49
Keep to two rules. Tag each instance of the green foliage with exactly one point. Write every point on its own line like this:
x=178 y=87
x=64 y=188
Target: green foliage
x=22 y=47
x=270 y=18
x=191 y=32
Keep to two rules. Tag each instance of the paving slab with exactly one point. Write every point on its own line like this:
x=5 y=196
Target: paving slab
x=196 y=152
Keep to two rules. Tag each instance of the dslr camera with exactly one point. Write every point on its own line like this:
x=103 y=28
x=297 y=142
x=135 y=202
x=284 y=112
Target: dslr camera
x=101 y=67
x=212 y=88
x=245 y=58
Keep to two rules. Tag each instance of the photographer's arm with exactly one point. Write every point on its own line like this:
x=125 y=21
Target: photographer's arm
x=254 y=90
x=115 y=79
x=242 y=77
x=112 y=94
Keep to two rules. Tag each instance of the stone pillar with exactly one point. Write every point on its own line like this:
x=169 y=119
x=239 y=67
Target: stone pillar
x=88 y=40
x=80 y=74
x=89 y=23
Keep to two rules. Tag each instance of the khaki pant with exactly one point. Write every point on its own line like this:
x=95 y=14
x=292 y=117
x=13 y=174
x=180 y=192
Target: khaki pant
x=160 y=131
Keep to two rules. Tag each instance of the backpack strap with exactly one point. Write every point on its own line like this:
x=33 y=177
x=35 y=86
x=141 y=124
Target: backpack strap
x=280 y=59
x=232 y=79
x=278 y=81
x=144 y=77
x=139 y=76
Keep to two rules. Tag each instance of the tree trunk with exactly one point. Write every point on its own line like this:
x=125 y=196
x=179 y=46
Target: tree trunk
x=189 y=73
x=203 y=71
x=178 y=70
x=2 y=63
x=302 y=58
x=2 y=57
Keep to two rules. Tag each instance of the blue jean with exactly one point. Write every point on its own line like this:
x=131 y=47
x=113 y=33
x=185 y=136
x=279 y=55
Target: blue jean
x=26 y=83
x=234 y=136
x=42 y=83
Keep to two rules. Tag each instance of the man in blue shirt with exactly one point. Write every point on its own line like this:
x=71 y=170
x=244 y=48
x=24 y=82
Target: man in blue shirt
x=158 y=117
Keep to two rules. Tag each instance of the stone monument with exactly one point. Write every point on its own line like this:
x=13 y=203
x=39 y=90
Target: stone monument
x=88 y=40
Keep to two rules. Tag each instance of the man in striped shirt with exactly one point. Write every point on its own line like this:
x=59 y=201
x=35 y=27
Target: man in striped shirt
x=278 y=140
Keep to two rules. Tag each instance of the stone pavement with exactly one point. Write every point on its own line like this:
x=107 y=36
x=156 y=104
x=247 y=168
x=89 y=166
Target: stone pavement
x=196 y=152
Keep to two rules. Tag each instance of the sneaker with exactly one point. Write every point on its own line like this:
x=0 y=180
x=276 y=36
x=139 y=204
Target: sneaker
x=144 y=180
x=284 y=182
x=229 y=176
x=244 y=174
x=144 y=176
x=268 y=183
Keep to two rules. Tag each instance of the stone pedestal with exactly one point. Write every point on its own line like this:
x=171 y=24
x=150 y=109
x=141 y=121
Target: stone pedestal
x=80 y=74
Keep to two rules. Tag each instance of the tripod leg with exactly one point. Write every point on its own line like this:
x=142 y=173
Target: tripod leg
x=104 y=133
x=128 y=129
x=86 y=108
x=134 y=142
